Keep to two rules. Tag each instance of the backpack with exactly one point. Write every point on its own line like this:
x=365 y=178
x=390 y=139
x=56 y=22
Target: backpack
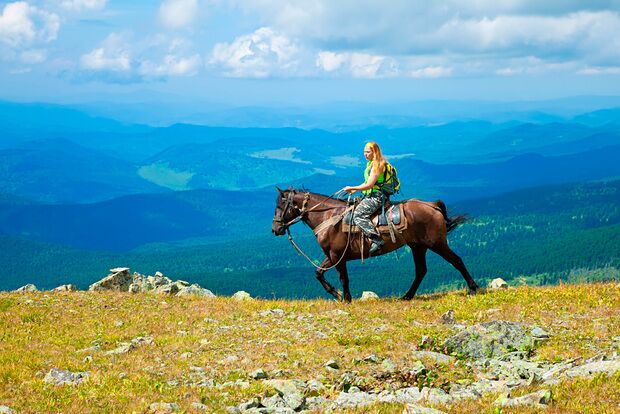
x=391 y=183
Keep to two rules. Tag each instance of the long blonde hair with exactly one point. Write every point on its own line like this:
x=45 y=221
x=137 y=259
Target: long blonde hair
x=378 y=162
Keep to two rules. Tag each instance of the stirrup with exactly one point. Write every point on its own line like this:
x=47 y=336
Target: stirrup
x=376 y=246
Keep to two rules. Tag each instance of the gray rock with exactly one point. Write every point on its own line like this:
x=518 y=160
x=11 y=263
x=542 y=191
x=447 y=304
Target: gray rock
x=441 y=359
x=196 y=406
x=331 y=364
x=490 y=339
x=258 y=374
x=125 y=347
x=314 y=388
x=163 y=408
x=289 y=392
x=63 y=377
x=388 y=366
x=354 y=400
x=460 y=392
x=65 y=288
x=275 y=401
x=27 y=288
x=118 y=280
x=448 y=318
x=417 y=369
x=606 y=367
x=6 y=410
x=195 y=290
x=408 y=395
x=368 y=295
x=435 y=396
x=169 y=289
x=418 y=409
x=241 y=295
x=316 y=403
x=498 y=283
x=539 y=399
x=272 y=312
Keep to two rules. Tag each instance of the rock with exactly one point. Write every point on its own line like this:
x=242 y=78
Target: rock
x=65 y=288
x=331 y=364
x=417 y=369
x=441 y=359
x=63 y=377
x=388 y=366
x=354 y=400
x=426 y=342
x=169 y=289
x=315 y=403
x=118 y=280
x=448 y=318
x=289 y=392
x=27 y=288
x=539 y=333
x=408 y=395
x=314 y=388
x=606 y=367
x=418 y=409
x=372 y=358
x=125 y=347
x=498 y=283
x=272 y=312
x=195 y=290
x=6 y=410
x=435 y=396
x=275 y=401
x=490 y=339
x=368 y=295
x=241 y=295
x=163 y=408
x=539 y=399
x=196 y=406
x=258 y=374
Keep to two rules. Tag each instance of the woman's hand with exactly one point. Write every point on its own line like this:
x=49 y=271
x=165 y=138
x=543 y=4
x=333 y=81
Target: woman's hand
x=349 y=189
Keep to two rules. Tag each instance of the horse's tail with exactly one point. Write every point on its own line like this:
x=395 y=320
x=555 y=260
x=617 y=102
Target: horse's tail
x=451 y=222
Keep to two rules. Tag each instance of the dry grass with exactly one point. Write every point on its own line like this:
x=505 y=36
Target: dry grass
x=40 y=331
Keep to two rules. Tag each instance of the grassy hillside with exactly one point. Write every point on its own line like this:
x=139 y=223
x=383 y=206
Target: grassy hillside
x=203 y=350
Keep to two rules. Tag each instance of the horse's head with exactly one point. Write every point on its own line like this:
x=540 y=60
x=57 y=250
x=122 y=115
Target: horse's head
x=287 y=210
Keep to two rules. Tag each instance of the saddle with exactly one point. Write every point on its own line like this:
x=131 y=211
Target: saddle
x=393 y=214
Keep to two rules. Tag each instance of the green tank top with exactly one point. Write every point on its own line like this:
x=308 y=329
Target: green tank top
x=380 y=179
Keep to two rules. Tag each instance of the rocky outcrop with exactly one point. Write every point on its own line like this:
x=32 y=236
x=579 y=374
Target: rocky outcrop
x=497 y=283
x=27 y=288
x=63 y=377
x=368 y=295
x=494 y=338
x=118 y=280
x=65 y=288
x=242 y=295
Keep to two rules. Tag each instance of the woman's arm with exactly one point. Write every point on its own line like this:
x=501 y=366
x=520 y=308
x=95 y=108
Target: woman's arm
x=372 y=179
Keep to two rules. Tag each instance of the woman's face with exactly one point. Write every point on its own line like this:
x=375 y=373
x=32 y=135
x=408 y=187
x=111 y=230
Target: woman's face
x=368 y=154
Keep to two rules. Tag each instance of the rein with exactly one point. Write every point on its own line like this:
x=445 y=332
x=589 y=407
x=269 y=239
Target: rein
x=304 y=211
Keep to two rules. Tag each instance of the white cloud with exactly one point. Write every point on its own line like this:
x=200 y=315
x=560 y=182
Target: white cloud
x=259 y=54
x=113 y=55
x=176 y=14
x=22 y=25
x=81 y=5
x=358 y=65
x=431 y=72
x=613 y=70
x=171 y=66
x=484 y=32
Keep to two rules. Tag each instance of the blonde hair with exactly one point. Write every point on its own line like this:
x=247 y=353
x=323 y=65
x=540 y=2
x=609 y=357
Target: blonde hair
x=378 y=162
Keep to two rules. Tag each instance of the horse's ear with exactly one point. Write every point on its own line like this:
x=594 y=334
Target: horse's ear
x=279 y=189
x=290 y=188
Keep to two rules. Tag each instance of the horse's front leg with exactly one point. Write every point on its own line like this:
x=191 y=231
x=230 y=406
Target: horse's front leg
x=344 y=280
x=326 y=285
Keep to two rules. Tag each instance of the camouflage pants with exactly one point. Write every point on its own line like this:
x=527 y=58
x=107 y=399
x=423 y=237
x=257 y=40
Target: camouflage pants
x=364 y=210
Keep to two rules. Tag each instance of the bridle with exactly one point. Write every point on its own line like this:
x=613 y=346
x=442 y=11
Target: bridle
x=289 y=203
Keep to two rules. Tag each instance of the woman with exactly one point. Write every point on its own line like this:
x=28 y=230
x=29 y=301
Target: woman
x=374 y=175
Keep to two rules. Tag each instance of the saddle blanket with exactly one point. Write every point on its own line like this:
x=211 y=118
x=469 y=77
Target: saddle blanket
x=394 y=213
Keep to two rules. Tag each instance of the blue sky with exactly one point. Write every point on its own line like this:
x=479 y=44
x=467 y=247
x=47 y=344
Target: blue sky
x=295 y=52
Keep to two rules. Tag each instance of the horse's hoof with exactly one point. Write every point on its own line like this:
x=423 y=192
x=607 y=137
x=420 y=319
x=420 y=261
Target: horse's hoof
x=475 y=291
x=406 y=297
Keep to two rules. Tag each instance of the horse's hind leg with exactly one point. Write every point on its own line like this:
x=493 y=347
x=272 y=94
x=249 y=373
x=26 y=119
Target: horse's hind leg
x=326 y=285
x=344 y=280
x=444 y=251
x=419 y=259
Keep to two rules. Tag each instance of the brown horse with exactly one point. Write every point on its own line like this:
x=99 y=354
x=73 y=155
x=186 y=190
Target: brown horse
x=428 y=226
